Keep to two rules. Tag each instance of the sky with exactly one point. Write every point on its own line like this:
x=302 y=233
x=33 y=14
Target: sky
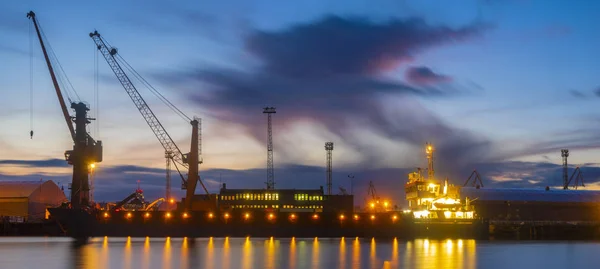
x=496 y=85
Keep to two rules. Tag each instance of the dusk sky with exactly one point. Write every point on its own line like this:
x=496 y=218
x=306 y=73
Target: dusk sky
x=496 y=85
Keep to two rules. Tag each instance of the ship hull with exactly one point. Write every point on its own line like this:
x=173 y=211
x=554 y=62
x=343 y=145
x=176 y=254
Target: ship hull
x=80 y=224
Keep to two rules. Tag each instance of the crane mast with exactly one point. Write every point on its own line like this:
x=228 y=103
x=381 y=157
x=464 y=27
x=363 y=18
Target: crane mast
x=85 y=151
x=189 y=161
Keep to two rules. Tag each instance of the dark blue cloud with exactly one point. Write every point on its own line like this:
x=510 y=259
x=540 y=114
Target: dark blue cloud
x=576 y=93
x=36 y=163
x=329 y=71
x=424 y=76
x=349 y=46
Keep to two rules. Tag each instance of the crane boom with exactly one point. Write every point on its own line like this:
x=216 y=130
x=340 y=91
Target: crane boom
x=61 y=100
x=163 y=136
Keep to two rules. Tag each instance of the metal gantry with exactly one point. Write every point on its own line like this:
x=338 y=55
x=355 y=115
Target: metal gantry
x=270 y=169
x=329 y=149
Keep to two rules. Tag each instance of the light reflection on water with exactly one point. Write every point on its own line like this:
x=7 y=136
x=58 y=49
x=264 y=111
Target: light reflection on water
x=100 y=253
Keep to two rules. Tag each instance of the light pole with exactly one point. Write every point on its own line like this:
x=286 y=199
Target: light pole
x=351 y=183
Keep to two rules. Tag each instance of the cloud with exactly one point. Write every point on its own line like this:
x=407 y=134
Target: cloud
x=424 y=76
x=35 y=163
x=576 y=93
x=331 y=73
x=349 y=46
x=597 y=92
x=531 y=174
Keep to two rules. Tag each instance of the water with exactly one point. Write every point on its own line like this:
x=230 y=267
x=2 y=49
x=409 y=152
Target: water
x=99 y=253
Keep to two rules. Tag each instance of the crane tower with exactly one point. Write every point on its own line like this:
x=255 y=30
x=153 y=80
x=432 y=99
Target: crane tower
x=168 y=158
x=329 y=149
x=86 y=151
x=564 y=153
x=270 y=169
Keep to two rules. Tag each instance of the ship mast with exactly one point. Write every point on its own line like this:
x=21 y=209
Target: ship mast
x=429 y=151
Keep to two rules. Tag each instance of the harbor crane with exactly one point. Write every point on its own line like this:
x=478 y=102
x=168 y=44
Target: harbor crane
x=191 y=160
x=86 y=151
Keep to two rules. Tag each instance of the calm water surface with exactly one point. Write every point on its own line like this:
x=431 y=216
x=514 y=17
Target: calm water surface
x=99 y=253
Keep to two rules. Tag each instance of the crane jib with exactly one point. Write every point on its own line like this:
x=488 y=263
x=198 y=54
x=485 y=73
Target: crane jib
x=157 y=128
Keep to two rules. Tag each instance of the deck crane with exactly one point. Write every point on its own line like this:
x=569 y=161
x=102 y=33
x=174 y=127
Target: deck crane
x=190 y=160
x=86 y=150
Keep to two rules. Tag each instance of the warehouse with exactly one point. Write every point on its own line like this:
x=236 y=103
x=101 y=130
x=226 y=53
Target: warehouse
x=534 y=204
x=27 y=200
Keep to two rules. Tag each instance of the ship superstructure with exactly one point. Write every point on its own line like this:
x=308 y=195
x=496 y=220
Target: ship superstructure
x=429 y=199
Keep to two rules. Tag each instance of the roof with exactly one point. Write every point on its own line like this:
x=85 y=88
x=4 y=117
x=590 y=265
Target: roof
x=531 y=195
x=259 y=191
x=21 y=188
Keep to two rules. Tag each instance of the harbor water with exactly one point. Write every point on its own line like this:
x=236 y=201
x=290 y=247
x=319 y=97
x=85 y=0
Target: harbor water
x=100 y=253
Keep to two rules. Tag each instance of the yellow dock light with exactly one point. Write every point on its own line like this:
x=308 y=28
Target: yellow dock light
x=105 y=215
x=247 y=215
x=293 y=216
x=168 y=215
x=226 y=216
x=356 y=217
x=147 y=215
x=342 y=217
x=372 y=217
x=271 y=216
x=185 y=215
x=210 y=215
x=128 y=215
x=394 y=217
x=315 y=216
x=386 y=204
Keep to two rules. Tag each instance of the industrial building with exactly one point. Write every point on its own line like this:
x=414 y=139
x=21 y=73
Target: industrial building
x=284 y=200
x=534 y=204
x=26 y=201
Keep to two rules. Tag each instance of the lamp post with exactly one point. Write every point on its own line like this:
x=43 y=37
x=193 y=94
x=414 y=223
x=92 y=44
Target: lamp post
x=351 y=183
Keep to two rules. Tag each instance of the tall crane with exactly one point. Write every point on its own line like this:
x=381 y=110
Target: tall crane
x=190 y=160
x=86 y=151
